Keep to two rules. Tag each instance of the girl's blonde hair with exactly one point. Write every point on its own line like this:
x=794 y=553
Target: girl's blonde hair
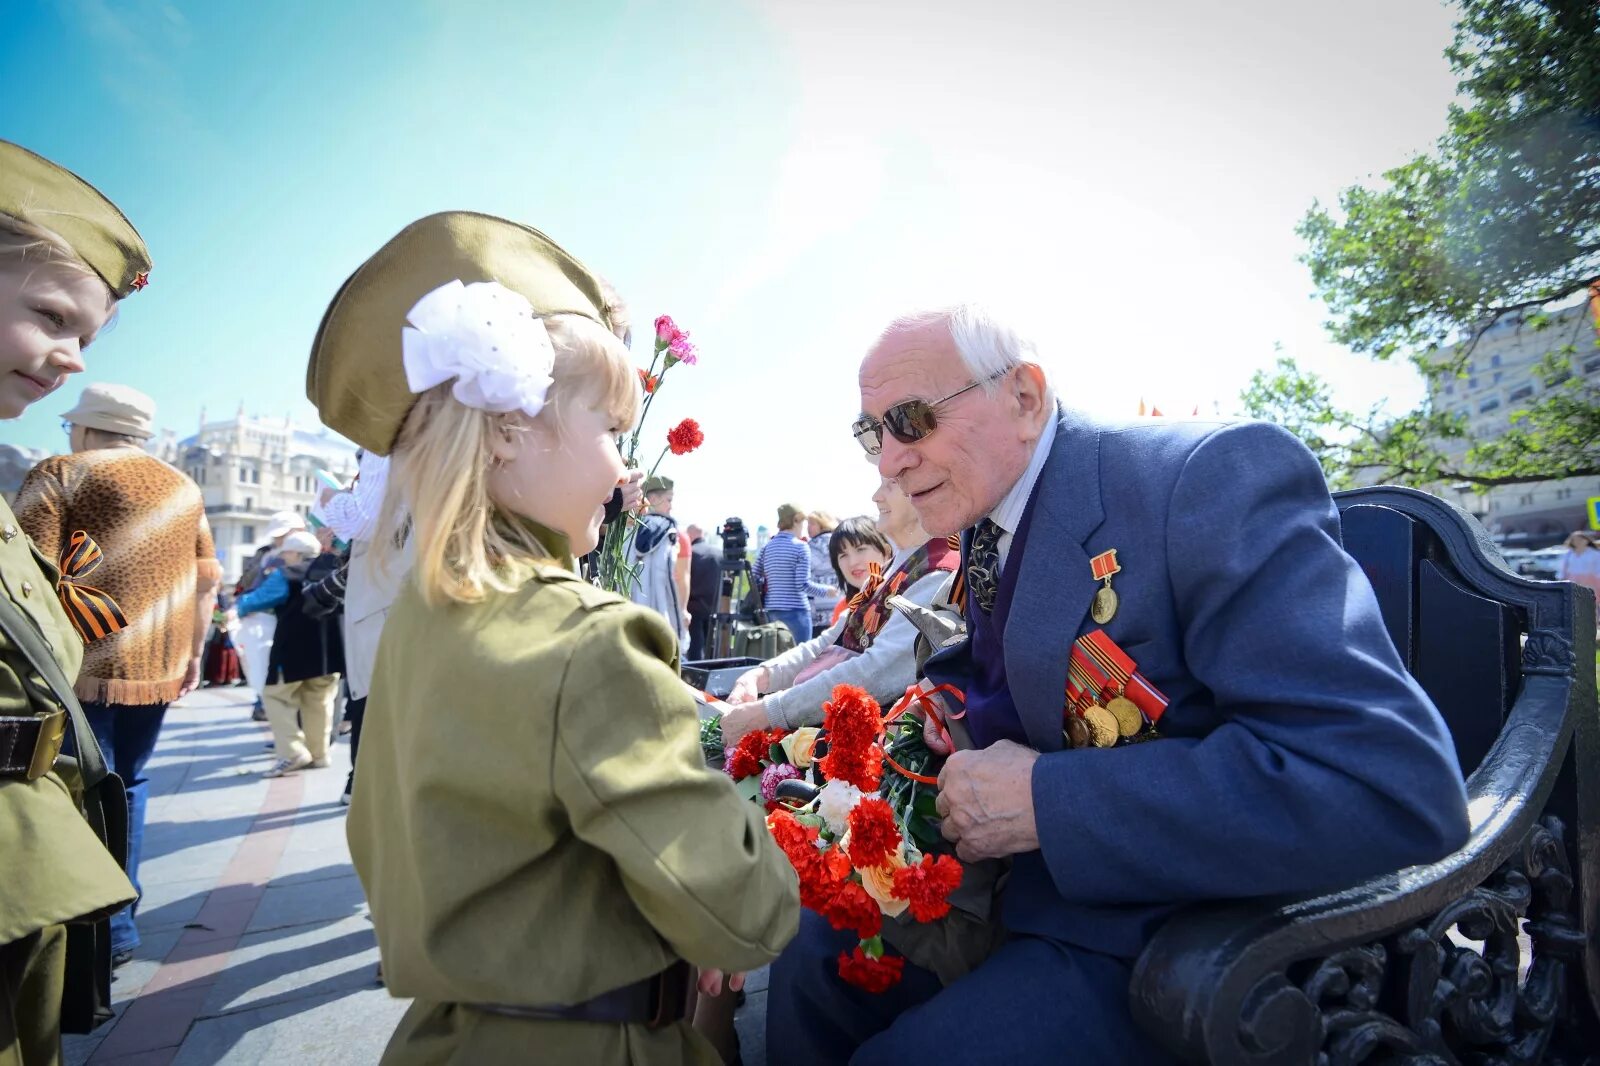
x=21 y=240
x=438 y=494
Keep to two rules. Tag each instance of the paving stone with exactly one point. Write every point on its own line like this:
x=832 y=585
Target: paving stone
x=337 y=1029
x=297 y=963
x=319 y=901
x=751 y=1024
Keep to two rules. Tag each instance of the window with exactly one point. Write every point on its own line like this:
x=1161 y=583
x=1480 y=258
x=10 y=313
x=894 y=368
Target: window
x=1450 y=390
x=244 y=475
x=1497 y=375
x=1472 y=383
x=1562 y=494
x=1494 y=360
x=1491 y=404
x=1520 y=394
x=249 y=503
x=1592 y=365
x=1525 y=500
x=255 y=476
x=247 y=534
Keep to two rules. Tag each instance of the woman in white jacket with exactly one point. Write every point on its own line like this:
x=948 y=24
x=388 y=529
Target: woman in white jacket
x=871 y=646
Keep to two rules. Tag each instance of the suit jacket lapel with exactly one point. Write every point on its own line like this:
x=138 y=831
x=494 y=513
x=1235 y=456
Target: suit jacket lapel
x=1055 y=587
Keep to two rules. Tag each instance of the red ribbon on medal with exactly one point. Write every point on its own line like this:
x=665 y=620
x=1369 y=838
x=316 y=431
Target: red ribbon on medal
x=1104 y=565
x=1098 y=670
x=93 y=613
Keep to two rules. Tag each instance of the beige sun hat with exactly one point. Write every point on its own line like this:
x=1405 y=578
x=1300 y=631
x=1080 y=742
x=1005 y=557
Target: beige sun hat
x=115 y=409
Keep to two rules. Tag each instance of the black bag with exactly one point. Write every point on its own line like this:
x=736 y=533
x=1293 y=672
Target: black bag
x=86 y=992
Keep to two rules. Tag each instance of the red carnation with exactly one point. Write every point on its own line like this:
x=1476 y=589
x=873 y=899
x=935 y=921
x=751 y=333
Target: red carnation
x=745 y=760
x=874 y=833
x=870 y=974
x=649 y=382
x=853 y=722
x=821 y=871
x=927 y=886
x=850 y=907
x=685 y=437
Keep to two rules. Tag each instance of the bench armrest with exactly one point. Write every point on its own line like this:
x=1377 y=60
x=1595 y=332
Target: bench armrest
x=1280 y=981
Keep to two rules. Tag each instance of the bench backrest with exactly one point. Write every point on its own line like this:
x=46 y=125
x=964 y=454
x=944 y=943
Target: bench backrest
x=1460 y=643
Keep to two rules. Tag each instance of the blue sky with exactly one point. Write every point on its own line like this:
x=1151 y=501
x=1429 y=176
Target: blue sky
x=781 y=177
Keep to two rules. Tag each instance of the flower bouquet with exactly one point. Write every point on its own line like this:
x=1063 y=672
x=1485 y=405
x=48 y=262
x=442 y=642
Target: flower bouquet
x=672 y=348
x=862 y=842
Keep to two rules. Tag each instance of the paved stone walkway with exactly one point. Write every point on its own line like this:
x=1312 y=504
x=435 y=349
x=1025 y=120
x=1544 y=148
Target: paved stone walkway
x=256 y=944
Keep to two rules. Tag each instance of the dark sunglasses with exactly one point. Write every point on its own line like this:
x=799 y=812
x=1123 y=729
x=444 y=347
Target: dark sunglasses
x=908 y=421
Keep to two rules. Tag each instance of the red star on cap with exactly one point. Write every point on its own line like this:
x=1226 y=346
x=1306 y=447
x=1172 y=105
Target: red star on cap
x=140 y=280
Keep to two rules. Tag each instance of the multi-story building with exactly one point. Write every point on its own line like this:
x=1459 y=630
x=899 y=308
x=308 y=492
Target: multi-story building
x=249 y=468
x=1501 y=379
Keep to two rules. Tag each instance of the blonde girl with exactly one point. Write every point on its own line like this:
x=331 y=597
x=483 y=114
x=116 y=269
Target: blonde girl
x=543 y=849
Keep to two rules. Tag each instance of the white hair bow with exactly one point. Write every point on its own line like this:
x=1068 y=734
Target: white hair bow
x=486 y=338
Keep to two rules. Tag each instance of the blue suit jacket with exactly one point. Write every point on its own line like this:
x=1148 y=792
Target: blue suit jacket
x=1298 y=755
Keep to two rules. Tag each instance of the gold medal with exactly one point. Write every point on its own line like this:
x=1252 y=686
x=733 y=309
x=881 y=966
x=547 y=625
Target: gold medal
x=1103 y=566
x=1129 y=720
x=1105 y=605
x=1102 y=726
x=1076 y=732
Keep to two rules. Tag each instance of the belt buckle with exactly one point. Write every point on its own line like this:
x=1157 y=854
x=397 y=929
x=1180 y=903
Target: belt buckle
x=52 y=731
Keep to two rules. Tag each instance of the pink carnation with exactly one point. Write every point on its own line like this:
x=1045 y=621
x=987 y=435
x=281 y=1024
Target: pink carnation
x=666 y=330
x=773 y=776
x=681 y=350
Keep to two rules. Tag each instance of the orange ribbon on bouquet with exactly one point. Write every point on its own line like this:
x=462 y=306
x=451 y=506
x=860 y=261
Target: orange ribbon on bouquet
x=919 y=695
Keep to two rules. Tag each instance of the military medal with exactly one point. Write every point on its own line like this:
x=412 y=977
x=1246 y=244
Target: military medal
x=1107 y=700
x=1126 y=712
x=1102 y=726
x=1105 y=599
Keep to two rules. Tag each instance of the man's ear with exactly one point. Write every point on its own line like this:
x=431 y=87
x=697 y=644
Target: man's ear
x=1029 y=392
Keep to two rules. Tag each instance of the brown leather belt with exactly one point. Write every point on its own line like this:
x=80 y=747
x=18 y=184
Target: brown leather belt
x=654 y=1002
x=29 y=746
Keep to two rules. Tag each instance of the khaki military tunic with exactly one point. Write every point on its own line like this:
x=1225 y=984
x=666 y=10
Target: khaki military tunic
x=55 y=868
x=534 y=824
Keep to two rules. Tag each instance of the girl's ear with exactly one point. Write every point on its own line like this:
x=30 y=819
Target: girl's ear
x=506 y=440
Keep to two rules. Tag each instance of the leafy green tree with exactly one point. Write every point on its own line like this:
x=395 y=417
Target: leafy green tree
x=1501 y=218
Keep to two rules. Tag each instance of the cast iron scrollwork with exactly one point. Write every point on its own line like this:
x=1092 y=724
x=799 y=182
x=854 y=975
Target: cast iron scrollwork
x=1427 y=998
x=1548 y=652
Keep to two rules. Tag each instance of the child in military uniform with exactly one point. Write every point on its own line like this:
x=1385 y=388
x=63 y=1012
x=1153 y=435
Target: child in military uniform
x=541 y=844
x=67 y=255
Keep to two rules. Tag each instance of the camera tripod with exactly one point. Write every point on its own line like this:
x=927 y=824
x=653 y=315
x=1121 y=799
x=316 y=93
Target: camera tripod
x=735 y=574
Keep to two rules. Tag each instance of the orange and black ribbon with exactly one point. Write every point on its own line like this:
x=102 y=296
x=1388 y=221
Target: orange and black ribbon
x=94 y=613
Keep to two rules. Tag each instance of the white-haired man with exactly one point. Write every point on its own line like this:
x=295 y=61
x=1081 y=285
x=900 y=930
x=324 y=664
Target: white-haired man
x=1201 y=564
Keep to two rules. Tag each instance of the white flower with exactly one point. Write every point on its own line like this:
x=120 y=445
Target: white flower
x=835 y=802
x=487 y=339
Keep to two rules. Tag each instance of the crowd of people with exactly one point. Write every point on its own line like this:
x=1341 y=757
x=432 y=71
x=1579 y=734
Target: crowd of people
x=553 y=872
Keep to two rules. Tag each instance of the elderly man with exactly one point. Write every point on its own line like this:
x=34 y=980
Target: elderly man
x=1294 y=753
x=139 y=576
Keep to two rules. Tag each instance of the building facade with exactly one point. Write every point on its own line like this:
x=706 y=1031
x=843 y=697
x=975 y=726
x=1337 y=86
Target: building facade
x=248 y=468
x=1501 y=379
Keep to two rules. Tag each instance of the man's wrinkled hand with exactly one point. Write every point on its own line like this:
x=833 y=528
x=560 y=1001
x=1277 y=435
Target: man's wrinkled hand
x=985 y=801
x=745 y=718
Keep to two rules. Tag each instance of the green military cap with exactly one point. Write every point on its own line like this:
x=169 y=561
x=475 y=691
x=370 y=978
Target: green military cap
x=39 y=192
x=356 y=376
x=657 y=484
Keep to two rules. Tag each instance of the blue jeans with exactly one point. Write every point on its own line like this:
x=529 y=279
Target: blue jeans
x=799 y=622
x=127 y=737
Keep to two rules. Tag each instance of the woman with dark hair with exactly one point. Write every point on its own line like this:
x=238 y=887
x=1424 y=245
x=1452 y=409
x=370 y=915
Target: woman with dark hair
x=855 y=545
x=872 y=646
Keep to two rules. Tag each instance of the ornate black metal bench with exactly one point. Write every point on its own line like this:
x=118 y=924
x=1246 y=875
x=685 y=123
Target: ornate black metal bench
x=1491 y=956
